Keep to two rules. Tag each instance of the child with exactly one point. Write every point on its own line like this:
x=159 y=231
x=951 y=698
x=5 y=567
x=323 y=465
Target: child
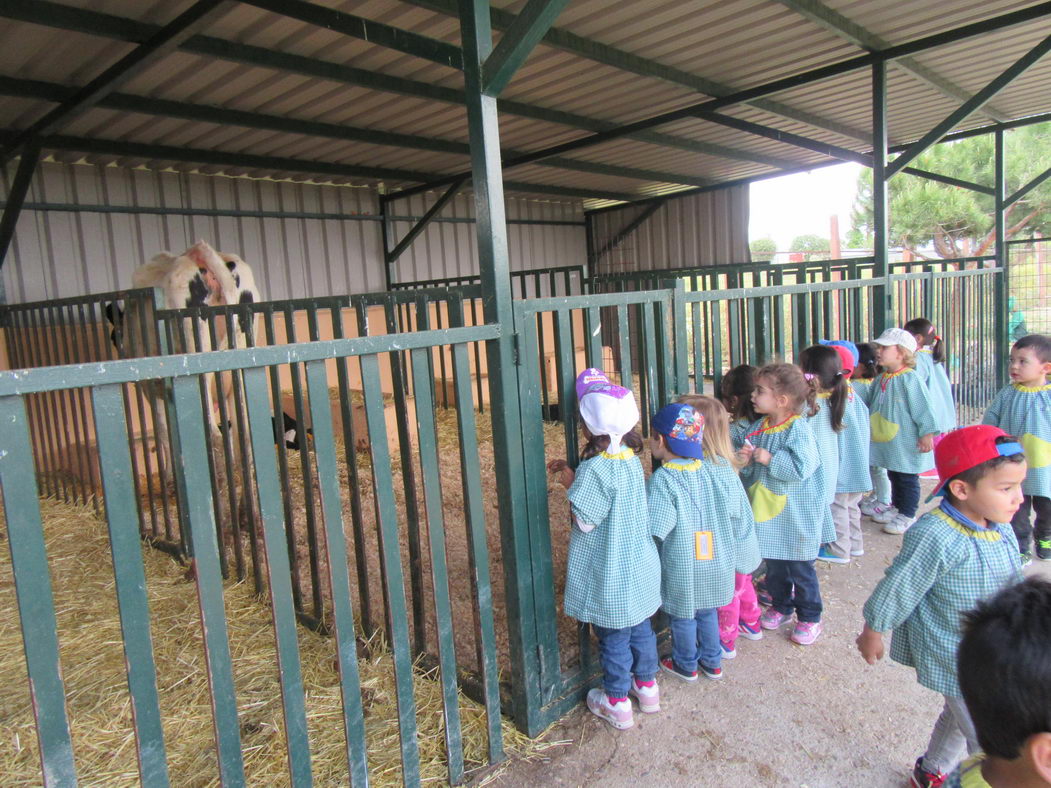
x=853 y=479
x=865 y=373
x=930 y=366
x=783 y=483
x=613 y=574
x=700 y=514
x=903 y=426
x=954 y=556
x=822 y=365
x=739 y=616
x=1024 y=408
x=1005 y=678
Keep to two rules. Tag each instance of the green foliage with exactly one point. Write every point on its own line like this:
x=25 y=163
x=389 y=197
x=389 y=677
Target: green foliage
x=956 y=221
x=814 y=246
x=763 y=250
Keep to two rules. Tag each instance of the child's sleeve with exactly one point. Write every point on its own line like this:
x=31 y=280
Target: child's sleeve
x=913 y=573
x=993 y=412
x=798 y=457
x=921 y=407
x=589 y=496
x=663 y=514
x=747 y=553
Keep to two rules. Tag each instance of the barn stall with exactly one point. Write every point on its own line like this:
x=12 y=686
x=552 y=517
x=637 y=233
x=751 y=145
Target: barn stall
x=418 y=500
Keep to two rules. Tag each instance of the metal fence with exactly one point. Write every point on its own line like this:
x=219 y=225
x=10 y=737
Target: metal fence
x=534 y=283
x=1028 y=287
x=383 y=519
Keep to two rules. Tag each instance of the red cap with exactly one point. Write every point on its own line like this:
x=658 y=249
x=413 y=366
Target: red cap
x=846 y=357
x=962 y=449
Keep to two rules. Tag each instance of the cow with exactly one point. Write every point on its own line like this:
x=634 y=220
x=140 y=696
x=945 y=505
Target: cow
x=199 y=277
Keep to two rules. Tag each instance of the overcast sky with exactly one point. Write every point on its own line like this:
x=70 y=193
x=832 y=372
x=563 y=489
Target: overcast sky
x=782 y=208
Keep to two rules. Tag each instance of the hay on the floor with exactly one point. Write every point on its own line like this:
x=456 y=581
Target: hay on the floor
x=98 y=702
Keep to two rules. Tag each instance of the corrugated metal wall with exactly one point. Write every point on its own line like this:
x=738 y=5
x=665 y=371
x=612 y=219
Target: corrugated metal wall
x=709 y=228
x=85 y=228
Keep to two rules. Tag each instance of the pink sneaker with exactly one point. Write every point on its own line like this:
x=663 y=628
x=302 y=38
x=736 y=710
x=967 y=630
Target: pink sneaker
x=806 y=632
x=616 y=714
x=649 y=698
x=771 y=619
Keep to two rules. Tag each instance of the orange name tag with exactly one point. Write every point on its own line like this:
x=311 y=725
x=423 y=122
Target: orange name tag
x=702 y=544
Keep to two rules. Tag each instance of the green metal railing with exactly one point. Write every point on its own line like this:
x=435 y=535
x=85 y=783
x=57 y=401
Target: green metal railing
x=534 y=283
x=103 y=383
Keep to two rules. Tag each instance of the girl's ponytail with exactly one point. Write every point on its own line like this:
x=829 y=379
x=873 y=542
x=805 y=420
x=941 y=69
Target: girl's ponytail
x=823 y=369
x=938 y=349
x=813 y=387
x=838 y=400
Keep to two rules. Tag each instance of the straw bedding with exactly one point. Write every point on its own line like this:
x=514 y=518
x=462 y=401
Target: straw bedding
x=98 y=702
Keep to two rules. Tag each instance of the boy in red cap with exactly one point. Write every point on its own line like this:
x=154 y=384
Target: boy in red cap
x=953 y=557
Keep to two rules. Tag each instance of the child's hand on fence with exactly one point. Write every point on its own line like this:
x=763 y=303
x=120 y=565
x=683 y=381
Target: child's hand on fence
x=761 y=456
x=561 y=467
x=870 y=644
x=925 y=443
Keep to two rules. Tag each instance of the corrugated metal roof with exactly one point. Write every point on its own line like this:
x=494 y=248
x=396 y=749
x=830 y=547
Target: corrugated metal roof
x=605 y=64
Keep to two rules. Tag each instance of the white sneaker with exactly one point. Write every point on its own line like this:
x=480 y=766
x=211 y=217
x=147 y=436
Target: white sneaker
x=884 y=514
x=898 y=525
x=616 y=714
x=867 y=503
x=649 y=698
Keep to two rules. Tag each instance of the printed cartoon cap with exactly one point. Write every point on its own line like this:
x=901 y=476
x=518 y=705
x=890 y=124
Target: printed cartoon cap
x=682 y=427
x=606 y=409
x=897 y=336
x=962 y=449
x=850 y=346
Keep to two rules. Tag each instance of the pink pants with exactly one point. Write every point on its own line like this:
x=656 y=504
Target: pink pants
x=743 y=607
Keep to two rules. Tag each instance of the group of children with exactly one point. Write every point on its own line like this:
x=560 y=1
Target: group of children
x=775 y=473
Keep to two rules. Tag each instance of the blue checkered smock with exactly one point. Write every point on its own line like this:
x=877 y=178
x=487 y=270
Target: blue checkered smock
x=738 y=429
x=792 y=519
x=1026 y=413
x=613 y=573
x=863 y=388
x=937 y=383
x=827 y=445
x=854 y=448
x=943 y=569
x=900 y=412
x=700 y=512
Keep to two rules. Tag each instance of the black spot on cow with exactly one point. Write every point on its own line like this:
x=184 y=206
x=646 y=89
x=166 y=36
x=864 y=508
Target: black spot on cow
x=115 y=316
x=231 y=265
x=199 y=292
x=245 y=318
x=286 y=430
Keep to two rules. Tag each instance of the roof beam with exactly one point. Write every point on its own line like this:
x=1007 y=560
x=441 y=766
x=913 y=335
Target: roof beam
x=968 y=107
x=628 y=61
x=518 y=41
x=138 y=150
x=934 y=176
x=421 y=225
x=159 y=44
x=16 y=197
x=824 y=148
x=1022 y=192
x=45 y=12
x=219 y=115
x=830 y=19
x=374 y=32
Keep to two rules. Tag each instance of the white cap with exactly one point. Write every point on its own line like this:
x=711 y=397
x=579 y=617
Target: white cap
x=897 y=336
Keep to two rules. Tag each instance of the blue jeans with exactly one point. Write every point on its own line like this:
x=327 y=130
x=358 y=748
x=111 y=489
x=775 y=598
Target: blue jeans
x=793 y=586
x=627 y=652
x=904 y=492
x=696 y=640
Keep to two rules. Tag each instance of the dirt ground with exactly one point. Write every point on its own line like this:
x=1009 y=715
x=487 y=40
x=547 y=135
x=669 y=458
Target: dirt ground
x=783 y=715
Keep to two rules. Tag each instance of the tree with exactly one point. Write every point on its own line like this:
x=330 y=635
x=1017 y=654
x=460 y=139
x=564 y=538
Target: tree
x=955 y=221
x=814 y=247
x=763 y=250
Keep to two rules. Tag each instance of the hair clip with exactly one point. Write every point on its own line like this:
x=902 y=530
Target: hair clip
x=808 y=375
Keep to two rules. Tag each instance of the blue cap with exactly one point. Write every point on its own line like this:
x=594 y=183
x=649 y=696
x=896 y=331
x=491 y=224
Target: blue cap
x=843 y=343
x=682 y=427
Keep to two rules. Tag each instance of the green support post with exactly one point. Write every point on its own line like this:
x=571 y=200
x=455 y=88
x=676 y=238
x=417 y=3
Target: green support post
x=880 y=293
x=476 y=35
x=1002 y=291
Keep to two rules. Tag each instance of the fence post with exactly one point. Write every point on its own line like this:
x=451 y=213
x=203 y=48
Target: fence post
x=1002 y=289
x=880 y=293
x=681 y=341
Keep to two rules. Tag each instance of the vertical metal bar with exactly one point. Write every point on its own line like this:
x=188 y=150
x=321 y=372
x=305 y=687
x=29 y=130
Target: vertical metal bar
x=130 y=579
x=593 y=340
x=47 y=425
x=189 y=423
x=880 y=221
x=427 y=438
x=36 y=608
x=624 y=347
x=1002 y=341
x=390 y=560
x=716 y=347
x=566 y=374
x=338 y=576
x=680 y=344
x=268 y=485
x=491 y=228
x=650 y=368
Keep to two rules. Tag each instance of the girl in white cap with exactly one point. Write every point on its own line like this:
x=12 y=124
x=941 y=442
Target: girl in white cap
x=903 y=425
x=613 y=574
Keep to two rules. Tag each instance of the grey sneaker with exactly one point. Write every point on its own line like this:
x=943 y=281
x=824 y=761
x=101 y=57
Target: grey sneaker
x=898 y=525
x=884 y=514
